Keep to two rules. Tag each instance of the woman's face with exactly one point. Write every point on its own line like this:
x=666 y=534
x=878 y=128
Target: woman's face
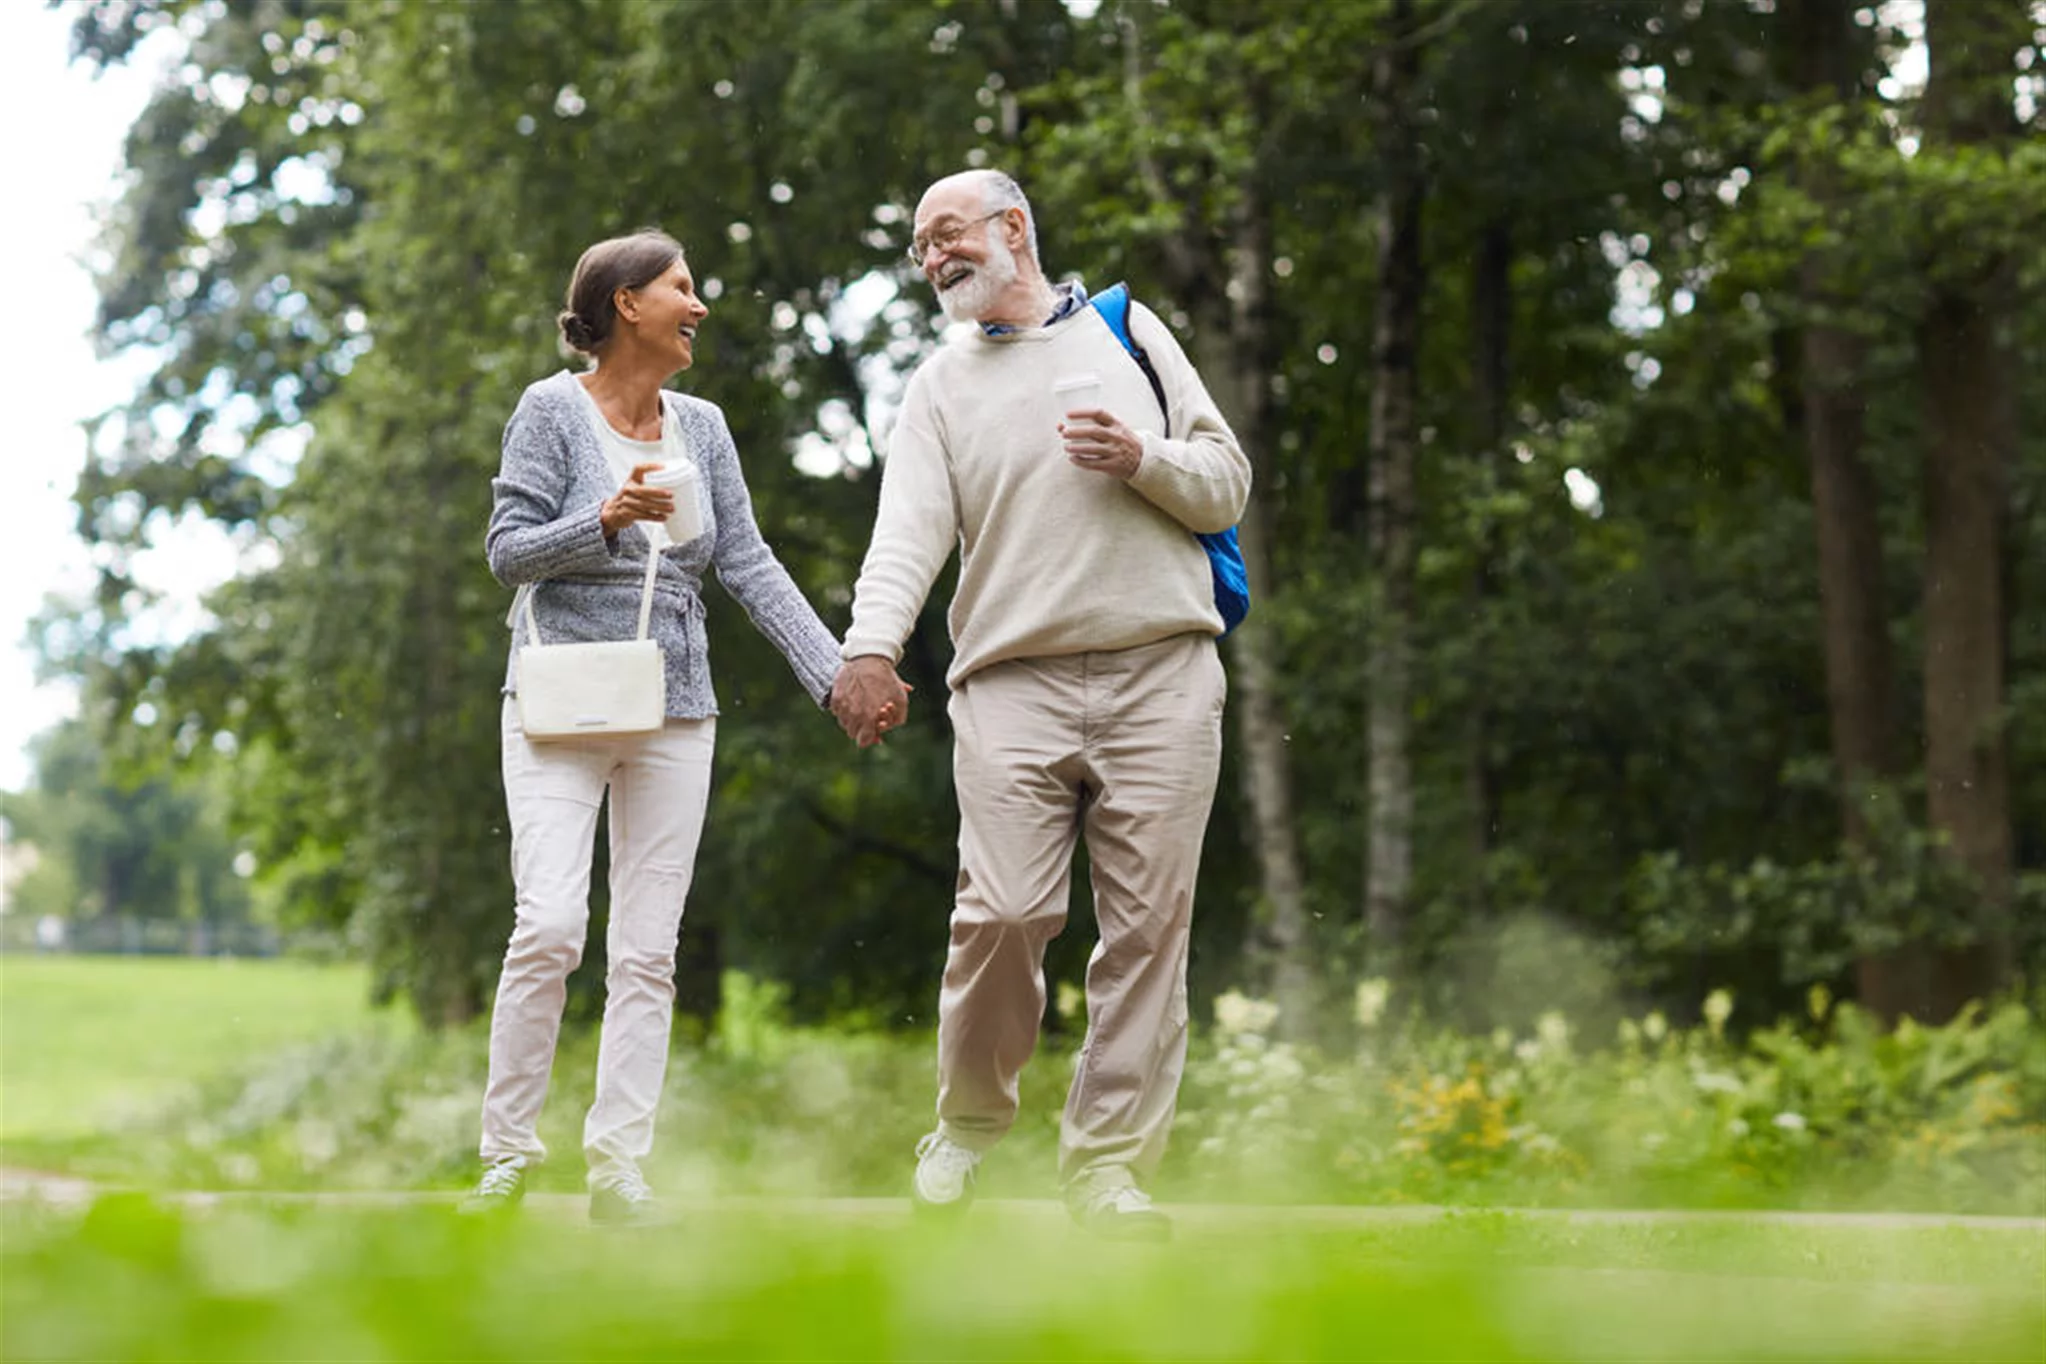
x=663 y=315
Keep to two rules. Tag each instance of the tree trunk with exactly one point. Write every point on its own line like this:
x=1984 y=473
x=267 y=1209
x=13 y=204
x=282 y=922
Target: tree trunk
x=1860 y=677
x=1395 y=361
x=1971 y=419
x=1232 y=347
x=1491 y=337
x=1279 y=945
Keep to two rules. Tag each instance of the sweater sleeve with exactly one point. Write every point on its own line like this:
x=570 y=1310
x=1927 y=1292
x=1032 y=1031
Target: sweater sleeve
x=1200 y=477
x=915 y=530
x=533 y=537
x=748 y=569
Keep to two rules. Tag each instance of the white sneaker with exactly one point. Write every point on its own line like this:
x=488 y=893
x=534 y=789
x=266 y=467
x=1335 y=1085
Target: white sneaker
x=622 y=1195
x=944 y=1173
x=502 y=1187
x=1123 y=1213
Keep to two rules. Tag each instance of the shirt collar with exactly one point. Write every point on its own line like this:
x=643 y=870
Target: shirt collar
x=1072 y=296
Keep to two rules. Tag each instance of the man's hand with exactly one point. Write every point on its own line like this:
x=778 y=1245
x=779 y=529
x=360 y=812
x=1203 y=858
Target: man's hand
x=1097 y=441
x=636 y=502
x=868 y=699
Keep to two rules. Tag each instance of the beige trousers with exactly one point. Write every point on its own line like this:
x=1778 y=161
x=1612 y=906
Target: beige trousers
x=1123 y=747
x=659 y=785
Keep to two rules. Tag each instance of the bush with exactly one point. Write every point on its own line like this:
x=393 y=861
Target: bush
x=1827 y=1110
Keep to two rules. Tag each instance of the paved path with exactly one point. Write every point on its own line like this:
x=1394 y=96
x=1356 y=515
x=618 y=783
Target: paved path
x=65 y=1191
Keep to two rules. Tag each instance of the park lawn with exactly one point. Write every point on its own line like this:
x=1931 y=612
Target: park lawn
x=311 y=1281
x=88 y=1040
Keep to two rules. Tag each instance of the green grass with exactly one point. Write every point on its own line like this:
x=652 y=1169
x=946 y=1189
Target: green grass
x=88 y=1041
x=255 y=1282
x=169 y=1074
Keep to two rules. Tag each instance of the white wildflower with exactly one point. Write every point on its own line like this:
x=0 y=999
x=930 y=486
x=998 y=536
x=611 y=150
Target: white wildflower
x=1716 y=1082
x=1655 y=1027
x=1718 y=1008
x=1372 y=997
x=1236 y=1012
x=1284 y=1067
x=1554 y=1031
x=1737 y=1128
x=1790 y=1122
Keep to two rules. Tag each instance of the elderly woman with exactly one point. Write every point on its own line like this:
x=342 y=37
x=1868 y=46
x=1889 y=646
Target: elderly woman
x=573 y=524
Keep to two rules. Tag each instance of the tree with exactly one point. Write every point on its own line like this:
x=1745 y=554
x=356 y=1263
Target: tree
x=122 y=845
x=1395 y=382
x=1860 y=687
x=1972 y=434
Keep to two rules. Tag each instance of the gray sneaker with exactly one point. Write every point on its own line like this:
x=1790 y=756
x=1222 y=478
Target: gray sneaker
x=1121 y=1213
x=623 y=1198
x=502 y=1188
x=944 y=1175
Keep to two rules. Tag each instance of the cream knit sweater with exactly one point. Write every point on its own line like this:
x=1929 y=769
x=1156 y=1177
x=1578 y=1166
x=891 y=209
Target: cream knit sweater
x=1053 y=559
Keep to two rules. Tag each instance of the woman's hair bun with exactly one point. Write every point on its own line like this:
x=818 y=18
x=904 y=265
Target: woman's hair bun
x=578 y=333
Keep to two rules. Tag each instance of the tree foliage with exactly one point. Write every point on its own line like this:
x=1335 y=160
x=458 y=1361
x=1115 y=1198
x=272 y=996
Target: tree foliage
x=349 y=221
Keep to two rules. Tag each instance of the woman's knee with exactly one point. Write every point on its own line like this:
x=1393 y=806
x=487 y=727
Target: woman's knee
x=547 y=942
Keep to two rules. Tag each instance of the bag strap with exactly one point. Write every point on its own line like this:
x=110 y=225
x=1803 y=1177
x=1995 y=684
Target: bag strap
x=646 y=597
x=1113 y=303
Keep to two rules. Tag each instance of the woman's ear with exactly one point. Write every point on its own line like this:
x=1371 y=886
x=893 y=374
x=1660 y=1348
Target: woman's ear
x=626 y=301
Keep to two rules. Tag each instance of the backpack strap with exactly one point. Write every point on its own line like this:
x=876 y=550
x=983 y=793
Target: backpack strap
x=1113 y=303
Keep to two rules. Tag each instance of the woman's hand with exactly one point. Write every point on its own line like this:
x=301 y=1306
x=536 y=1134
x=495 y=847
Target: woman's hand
x=636 y=502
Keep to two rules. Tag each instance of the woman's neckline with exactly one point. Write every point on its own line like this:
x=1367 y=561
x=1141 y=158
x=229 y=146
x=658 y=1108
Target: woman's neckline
x=611 y=426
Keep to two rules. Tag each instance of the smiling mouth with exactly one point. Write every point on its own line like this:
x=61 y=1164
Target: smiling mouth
x=688 y=332
x=954 y=278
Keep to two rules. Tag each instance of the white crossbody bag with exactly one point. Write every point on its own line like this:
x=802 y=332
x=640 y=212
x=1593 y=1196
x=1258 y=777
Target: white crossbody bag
x=607 y=687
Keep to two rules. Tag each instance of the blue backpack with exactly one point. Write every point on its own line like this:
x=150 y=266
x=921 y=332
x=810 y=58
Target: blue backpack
x=1225 y=557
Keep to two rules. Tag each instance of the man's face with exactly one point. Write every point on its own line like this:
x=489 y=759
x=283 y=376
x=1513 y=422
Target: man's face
x=967 y=259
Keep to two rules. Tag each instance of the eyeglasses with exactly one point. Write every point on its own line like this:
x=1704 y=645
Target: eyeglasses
x=945 y=238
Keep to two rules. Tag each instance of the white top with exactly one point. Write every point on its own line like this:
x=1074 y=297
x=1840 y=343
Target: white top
x=1053 y=559
x=623 y=454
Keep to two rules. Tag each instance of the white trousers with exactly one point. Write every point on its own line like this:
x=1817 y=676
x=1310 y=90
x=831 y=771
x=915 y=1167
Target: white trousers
x=660 y=786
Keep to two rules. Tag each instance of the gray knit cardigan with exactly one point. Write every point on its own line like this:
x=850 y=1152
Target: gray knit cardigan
x=545 y=538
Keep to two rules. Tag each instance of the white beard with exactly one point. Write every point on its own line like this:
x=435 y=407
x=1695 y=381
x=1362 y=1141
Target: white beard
x=969 y=300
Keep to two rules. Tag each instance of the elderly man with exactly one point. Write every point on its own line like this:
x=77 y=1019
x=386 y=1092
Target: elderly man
x=1086 y=691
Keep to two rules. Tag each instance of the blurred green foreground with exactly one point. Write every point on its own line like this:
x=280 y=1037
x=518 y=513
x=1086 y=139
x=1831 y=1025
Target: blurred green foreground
x=766 y=1282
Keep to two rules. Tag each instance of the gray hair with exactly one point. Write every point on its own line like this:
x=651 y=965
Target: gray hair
x=1000 y=191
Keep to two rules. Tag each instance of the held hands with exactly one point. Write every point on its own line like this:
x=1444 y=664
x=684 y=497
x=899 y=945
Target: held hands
x=1096 y=440
x=868 y=699
x=636 y=502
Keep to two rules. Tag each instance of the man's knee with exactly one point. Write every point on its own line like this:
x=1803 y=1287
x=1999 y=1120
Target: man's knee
x=977 y=912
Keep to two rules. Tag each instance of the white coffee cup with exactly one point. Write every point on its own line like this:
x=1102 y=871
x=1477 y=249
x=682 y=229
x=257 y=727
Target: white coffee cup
x=684 y=523
x=1077 y=393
